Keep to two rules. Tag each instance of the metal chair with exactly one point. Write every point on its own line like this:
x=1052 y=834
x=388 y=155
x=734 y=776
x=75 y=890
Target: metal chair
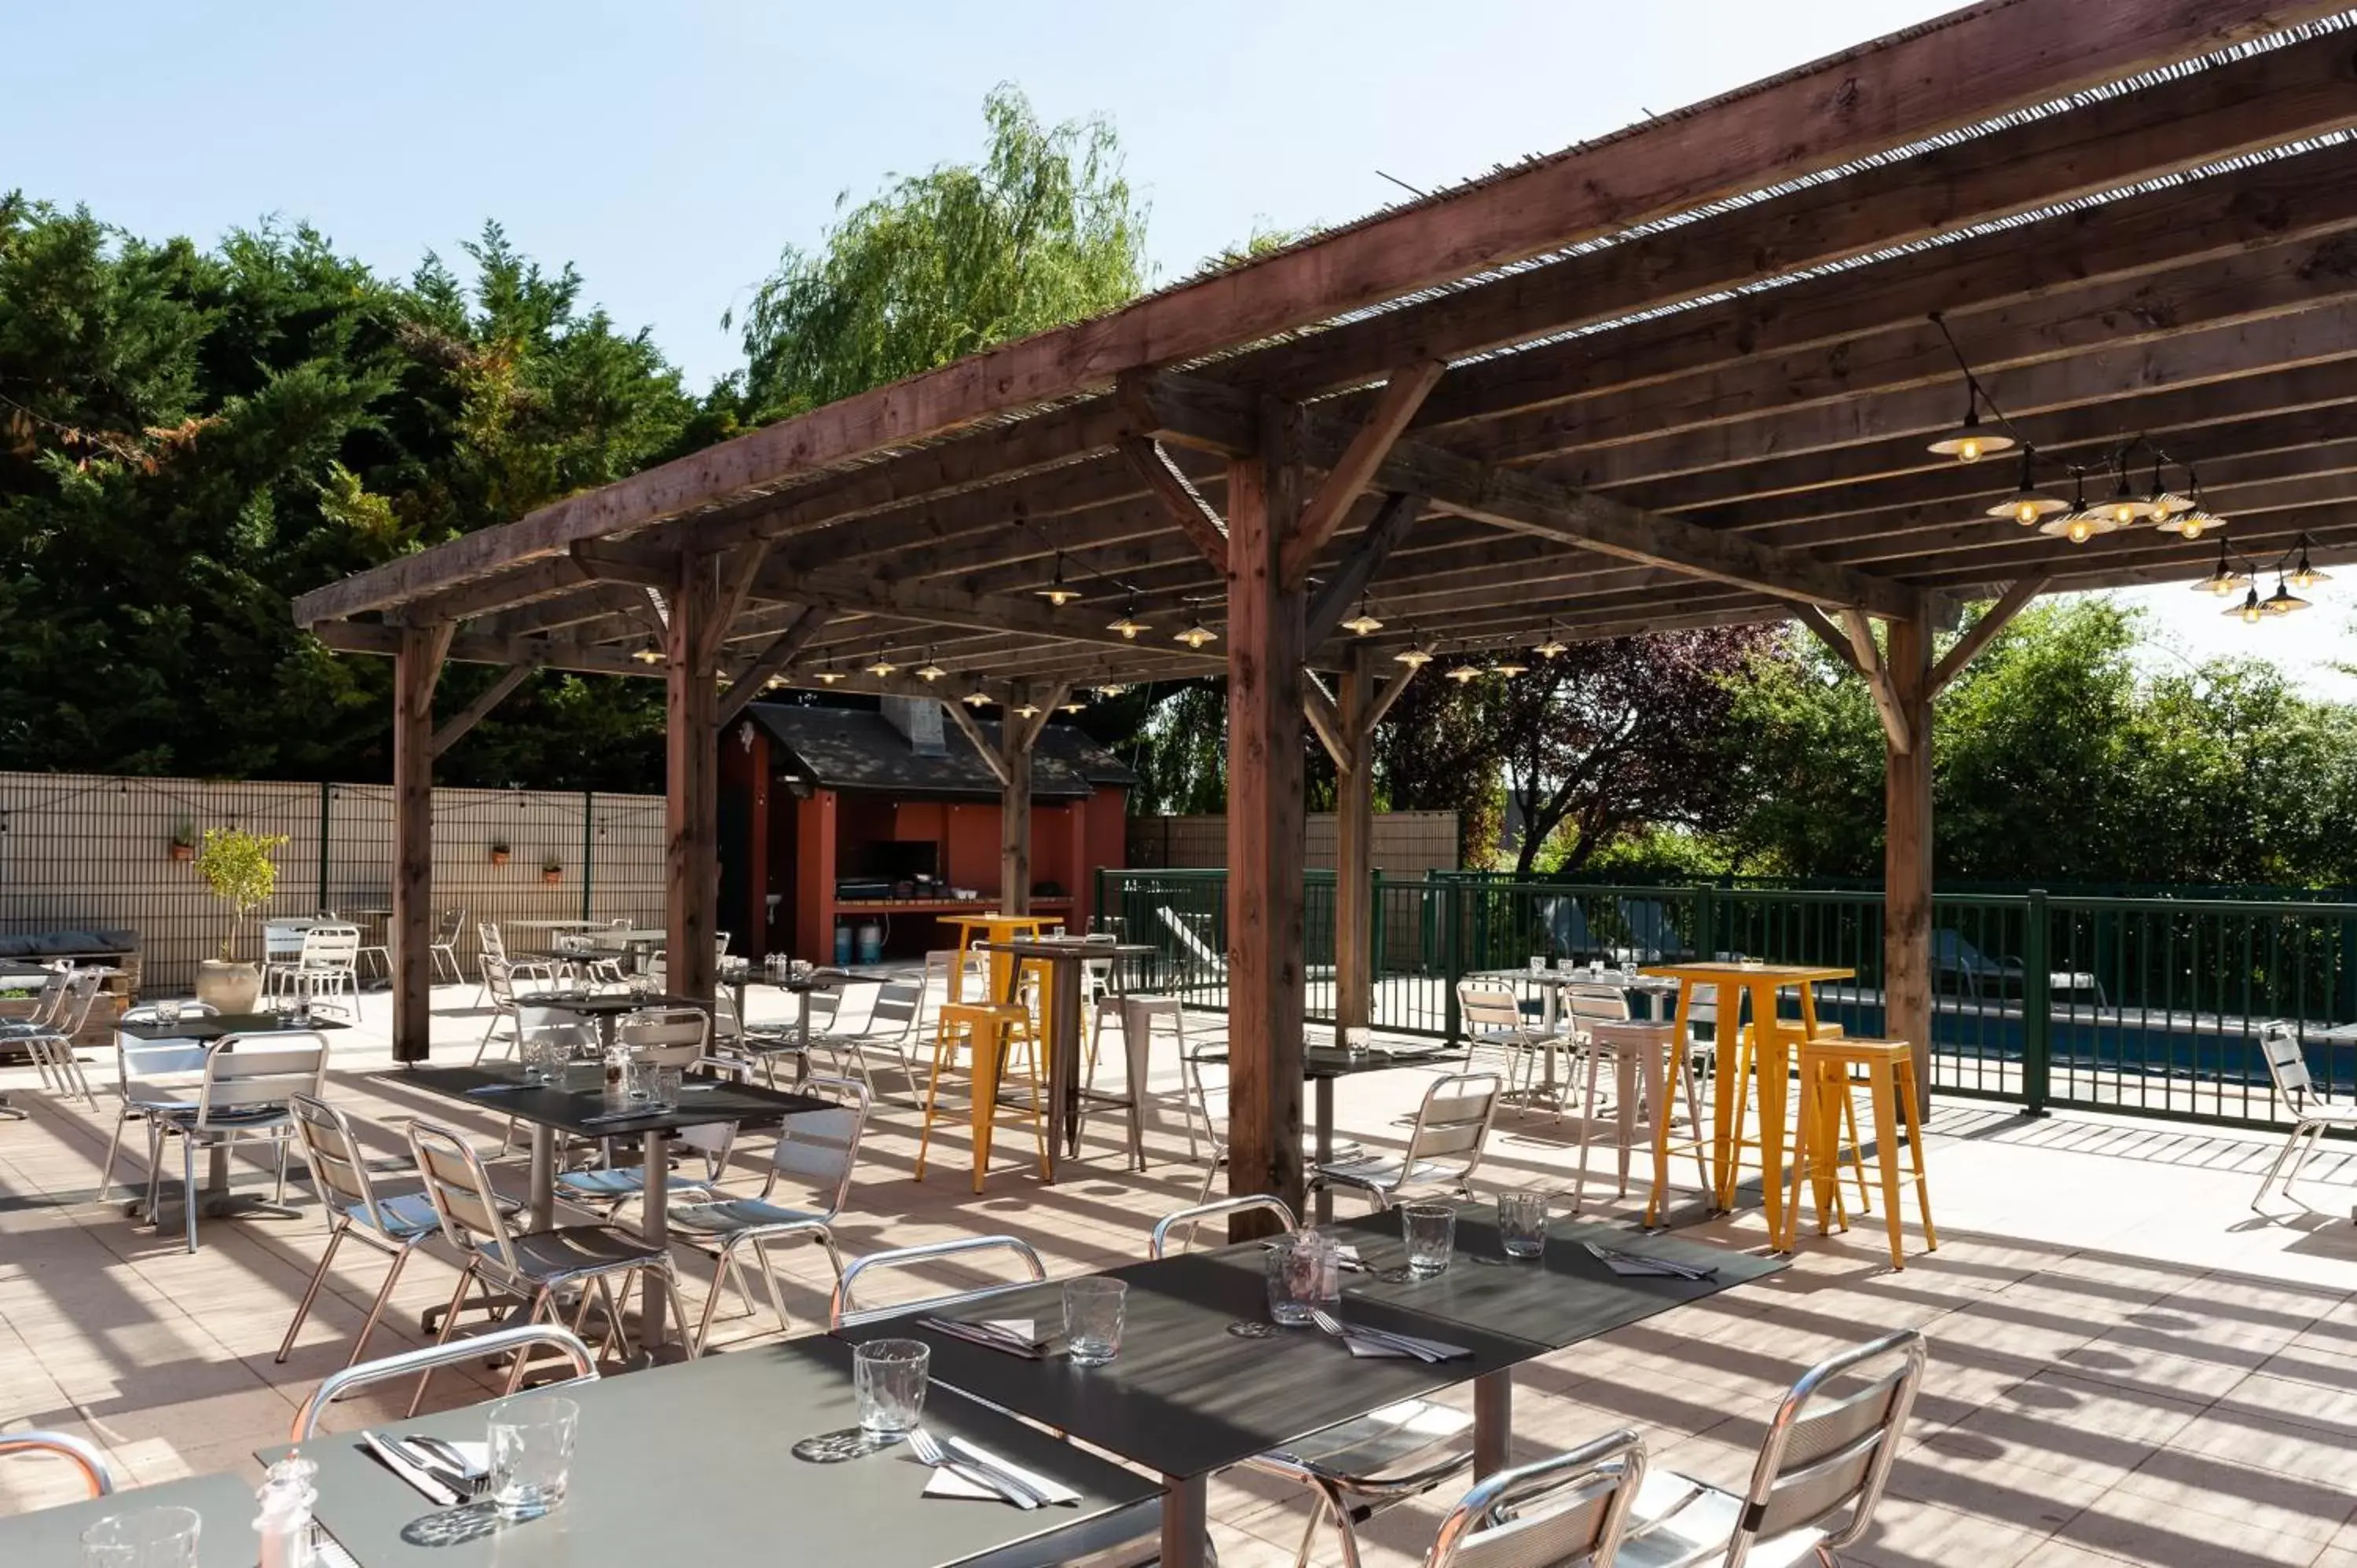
x=329 y=968
x=51 y=1047
x=139 y=1094
x=534 y=1265
x=1158 y=1245
x=842 y=1311
x=1820 y=1473
x=83 y=1456
x=340 y=1171
x=490 y=945
x=522 y=1340
x=659 y=1037
x=442 y=952
x=1207 y=1090
x=249 y=1082
x=1567 y=1511
x=2313 y=1114
x=891 y=1030
x=500 y=978
x=819 y=1151
x=1443 y=1150
x=1492 y=1018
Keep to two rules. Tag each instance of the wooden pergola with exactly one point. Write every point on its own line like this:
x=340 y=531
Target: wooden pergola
x=1684 y=375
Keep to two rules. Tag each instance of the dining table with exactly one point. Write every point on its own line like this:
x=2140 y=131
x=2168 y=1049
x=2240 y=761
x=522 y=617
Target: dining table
x=169 y=1070
x=1059 y=962
x=701 y=1462
x=1203 y=1381
x=576 y=1106
x=1321 y=1064
x=51 y=1537
x=1762 y=986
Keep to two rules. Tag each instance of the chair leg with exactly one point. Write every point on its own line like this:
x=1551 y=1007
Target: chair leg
x=942 y=1048
x=2268 y=1180
x=1907 y=1115
x=188 y=1185
x=1693 y=1113
x=540 y=1303
x=1886 y=1138
x=113 y=1147
x=693 y=1348
x=376 y=1307
x=311 y=1292
x=450 y=1322
x=1587 y=1119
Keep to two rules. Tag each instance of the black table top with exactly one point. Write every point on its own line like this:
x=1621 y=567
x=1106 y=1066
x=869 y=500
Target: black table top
x=51 y=1537
x=817 y=979
x=1185 y=1397
x=692 y=1463
x=193 y=1025
x=1333 y=1061
x=1051 y=950
x=580 y=1111
x=1564 y=1296
x=591 y=1004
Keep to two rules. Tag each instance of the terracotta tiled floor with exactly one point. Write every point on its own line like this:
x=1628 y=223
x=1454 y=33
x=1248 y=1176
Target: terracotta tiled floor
x=2127 y=1364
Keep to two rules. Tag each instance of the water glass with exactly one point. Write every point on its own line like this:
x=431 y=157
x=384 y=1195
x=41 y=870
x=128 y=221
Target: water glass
x=532 y=1453
x=1357 y=1040
x=1538 y=963
x=1523 y=1223
x=1596 y=969
x=1304 y=1276
x=1092 y=1318
x=665 y=1083
x=1430 y=1232
x=887 y=1376
x=145 y=1538
x=1564 y=965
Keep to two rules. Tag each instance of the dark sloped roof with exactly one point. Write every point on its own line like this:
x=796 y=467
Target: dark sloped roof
x=848 y=748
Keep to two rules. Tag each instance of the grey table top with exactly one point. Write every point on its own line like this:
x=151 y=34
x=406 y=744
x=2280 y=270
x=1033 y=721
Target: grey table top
x=1185 y=1397
x=565 y=1108
x=1333 y=1061
x=596 y=1004
x=194 y=1025
x=1563 y=1297
x=692 y=1464
x=51 y=1537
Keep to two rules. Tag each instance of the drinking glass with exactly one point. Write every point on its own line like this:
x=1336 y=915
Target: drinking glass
x=1357 y=1040
x=1538 y=964
x=145 y=1538
x=1596 y=969
x=532 y=1453
x=1092 y=1319
x=1430 y=1232
x=887 y=1376
x=167 y=1013
x=1304 y=1275
x=1564 y=965
x=666 y=1081
x=1523 y=1223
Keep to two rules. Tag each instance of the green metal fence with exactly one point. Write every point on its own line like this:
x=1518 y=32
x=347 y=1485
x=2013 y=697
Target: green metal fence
x=2148 y=1004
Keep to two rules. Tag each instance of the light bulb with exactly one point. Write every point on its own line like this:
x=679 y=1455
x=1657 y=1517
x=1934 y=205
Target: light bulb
x=1197 y=635
x=1363 y=625
x=1414 y=658
x=2080 y=529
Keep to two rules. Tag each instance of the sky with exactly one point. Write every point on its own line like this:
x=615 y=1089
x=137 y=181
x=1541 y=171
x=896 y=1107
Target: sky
x=671 y=151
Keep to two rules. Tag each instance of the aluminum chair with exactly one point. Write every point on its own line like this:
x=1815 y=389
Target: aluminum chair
x=842 y=1311
x=1207 y=1093
x=1820 y=1473
x=891 y=1031
x=249 y=1082
x=1567 y=1511
x=657 y=1038
x=534 y=1265
x=46 y=1001
x=1443 y=1149
x=490 y=945
x=340 y=1171
x=51 y=1047
x=329 y=968
x=1492 y=1018
x=1157 y=1246
x=500 y=981
x=522 y=1339
x=442 y=952
x=819 y=1152
x=2313 y=1114
x=83 y=1456
x=140 y=1094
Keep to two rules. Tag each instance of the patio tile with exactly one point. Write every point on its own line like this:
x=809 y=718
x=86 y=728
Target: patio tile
x=2128 y=1525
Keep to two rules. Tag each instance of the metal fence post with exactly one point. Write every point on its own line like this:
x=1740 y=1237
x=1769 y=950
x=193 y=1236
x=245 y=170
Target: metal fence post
x=327 y=793
x=1452 y=963
x=590 y=851
x=1705 y=920
x=2037 y=1008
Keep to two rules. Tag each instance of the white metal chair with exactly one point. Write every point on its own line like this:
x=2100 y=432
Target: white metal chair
x=442 y=952
x=1820 y=1473
x=1206 y=1092
x=818 y=1151
x=326 y=972
x=1158 y=1245
x=522 y=1340
x=844 y=1312
x=51 y=1047
x=890 y=1032
x=490 y=945
x=2313 y=1114
x=536 y=1264
x=1570 y=1511
x=1443 y=1149
x=340 y=1172
x=500 y=980
x=658 y=1037
x=1491 y=1017
x=141 y=1092
x=249 y=1082
x=83 y=1456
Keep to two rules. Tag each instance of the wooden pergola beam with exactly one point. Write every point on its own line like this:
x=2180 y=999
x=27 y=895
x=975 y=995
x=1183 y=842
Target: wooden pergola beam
x=1867 y=660
x=1354 y=468
x=1994 y=620
x=455 y=728
x=1204 y=528
x=970 y=727
x=748 y=683
x=1374 y=546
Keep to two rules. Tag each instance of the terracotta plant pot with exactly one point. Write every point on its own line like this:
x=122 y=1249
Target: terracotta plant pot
x=184 y=852
x=229 y=987
x=498 y=858
x=552 y=878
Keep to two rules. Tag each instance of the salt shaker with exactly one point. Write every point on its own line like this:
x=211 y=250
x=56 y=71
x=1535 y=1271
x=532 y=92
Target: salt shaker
x=286 y=1498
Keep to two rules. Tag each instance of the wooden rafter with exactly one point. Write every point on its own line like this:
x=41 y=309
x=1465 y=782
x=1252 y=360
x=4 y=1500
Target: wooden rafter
x=1994 y=620
x=1355 y=467
x=1383 y=534
x=970 y=727
x=456 y=727
x=746 y=686
x=1203 y=527
x=1317 y=706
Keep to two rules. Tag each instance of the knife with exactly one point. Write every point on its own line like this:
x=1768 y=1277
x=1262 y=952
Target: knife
x=981 y=1335
x=425 y=1483
x=995 y=1468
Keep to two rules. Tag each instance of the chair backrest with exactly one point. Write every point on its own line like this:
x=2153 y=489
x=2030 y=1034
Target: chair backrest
x=462 y=1195
x=73 y=1008
x=244 y=1073
x=894 y=1010
x=1599 y=1001
x=566 y=1031
x=819 y=1150
x=1484 y=1006
x=82 y=1454
x=498 y=1340
x=1567 y=1511
x=489 y=940
x=1158 y=1245
x=330 y=947
x=1207 y=1082
x=338 y=1164
x=728 y=1023
x=1830 y=1445
x=669 y=1036
x=454 y=925
x=499 y=979
x=2288 y=1065
x=844 y=1312
x=1453 y=1123
x=141 y=1065
x=51 y=995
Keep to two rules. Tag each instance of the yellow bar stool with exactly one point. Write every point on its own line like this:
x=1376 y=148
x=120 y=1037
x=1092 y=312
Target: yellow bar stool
x=1827 y=1081
x=1746 y=1064
x=992 y=1029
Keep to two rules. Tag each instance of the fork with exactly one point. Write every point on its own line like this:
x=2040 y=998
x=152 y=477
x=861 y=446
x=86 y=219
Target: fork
x=932 y=1452
x=1327 y=1321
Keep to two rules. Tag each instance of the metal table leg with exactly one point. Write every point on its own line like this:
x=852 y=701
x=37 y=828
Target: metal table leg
x=654 y=1226
x=1185 y=1517
x=1323 y=1093
x=542 y=1196
x=1493 y=1422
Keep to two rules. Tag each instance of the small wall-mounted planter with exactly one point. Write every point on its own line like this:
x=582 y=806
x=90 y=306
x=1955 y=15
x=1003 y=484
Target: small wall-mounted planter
x=498 y=858
x=551 y=874
x=184 y=852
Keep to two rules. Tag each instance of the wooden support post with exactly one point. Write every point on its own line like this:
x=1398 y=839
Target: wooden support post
x=1354 y=833
x=417 y=664
x=1907 y=849
x=1014 y=814
x=1265 y=622
x=690 y=794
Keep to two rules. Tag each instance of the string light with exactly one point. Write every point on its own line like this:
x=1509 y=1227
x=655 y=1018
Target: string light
x=829 y=675
x=2283 y=601
x=2025 y=506
x=1972 y=441
x=774 y=683
x=1464 y=673
x=883 y=666
x=1074 y=706
x=930 y=672
x=1412 y=656
x=648 y=653
x=2081 y=523
x=1129 y=626
x=978 y=698
x=1058 y=592
x=1508 y=666
x=1026 y=710
x=2224 y=579
x=2304 y=576
x=2250 y=612
x=2124 y=508
x=1553 y=647
x=1198 y=634
x=1363 y=624
x=1111 y=689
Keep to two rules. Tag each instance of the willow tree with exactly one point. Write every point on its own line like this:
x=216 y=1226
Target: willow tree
x=1042 y=231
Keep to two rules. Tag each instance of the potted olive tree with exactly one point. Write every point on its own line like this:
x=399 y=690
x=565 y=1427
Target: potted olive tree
x=237 y=866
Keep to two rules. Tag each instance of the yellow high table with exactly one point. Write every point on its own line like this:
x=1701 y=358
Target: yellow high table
x=991 y=927
x=1773 y=1038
